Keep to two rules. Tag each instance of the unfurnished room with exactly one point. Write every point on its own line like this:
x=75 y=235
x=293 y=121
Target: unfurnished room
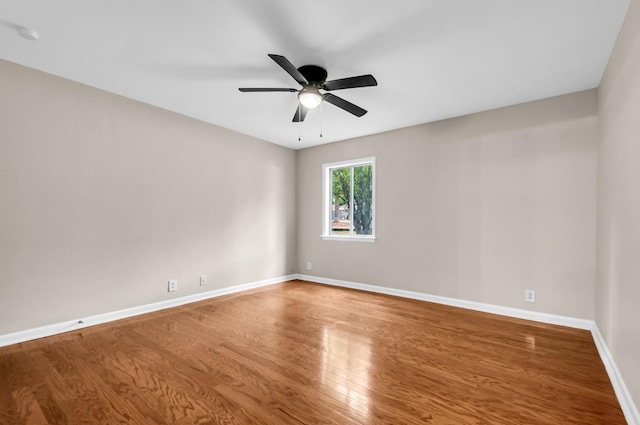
x=303 y=212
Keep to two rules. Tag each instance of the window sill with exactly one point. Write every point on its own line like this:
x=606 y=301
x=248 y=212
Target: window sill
x=350 y=238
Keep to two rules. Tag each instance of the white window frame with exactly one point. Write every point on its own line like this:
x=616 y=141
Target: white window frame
x=327 y=205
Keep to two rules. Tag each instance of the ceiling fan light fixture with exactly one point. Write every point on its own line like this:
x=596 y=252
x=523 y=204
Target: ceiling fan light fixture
x=312 y=78
x=310 y=97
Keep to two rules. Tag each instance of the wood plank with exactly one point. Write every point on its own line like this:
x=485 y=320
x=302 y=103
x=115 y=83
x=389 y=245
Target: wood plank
x=302 y=353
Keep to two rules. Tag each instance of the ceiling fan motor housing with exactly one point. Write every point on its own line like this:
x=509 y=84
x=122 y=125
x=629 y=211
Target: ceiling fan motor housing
x=314 y=74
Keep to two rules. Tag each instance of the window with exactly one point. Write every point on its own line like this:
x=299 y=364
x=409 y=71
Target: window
x=349 y=200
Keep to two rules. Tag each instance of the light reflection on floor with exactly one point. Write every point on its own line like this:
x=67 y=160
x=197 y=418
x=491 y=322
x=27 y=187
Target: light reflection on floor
x=345 y=368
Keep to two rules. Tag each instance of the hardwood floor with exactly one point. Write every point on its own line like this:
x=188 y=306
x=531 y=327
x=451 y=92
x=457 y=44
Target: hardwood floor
x=303 y=353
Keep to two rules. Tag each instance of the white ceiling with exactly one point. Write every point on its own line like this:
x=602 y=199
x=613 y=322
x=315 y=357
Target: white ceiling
x=433 y=59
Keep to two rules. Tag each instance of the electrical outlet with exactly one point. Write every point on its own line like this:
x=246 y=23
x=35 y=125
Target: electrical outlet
x=309 y=265
x=173 y=285
x=530 y=295
x=203 y=280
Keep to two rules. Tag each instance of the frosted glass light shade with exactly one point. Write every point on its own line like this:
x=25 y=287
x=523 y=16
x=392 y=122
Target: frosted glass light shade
x=310 y=97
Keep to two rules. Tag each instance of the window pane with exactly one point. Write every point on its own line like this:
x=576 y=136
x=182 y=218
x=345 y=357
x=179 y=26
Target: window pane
x=348 y=201
x=340 y=196
x=362 y=200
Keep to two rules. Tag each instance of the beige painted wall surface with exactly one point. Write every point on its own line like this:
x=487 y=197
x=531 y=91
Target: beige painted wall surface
x=105 y=199
x=618 y=287
x=476 y=208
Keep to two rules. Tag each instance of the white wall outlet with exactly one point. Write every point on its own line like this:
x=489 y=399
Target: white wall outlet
x=203 y=280
x=173 y=285
x=530 y=295
x=309 y=265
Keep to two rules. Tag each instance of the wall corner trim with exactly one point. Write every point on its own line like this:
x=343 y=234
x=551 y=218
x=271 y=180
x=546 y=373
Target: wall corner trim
x=627 y=405
x=629 y=408
x=73 y=325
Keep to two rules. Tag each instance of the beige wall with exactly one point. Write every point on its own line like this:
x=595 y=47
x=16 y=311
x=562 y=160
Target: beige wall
x=618 y=287
x=104 y=199
x=476 y=208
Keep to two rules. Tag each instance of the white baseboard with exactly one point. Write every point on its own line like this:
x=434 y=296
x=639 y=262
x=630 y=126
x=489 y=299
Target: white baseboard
x=471 y=305
x=72 y=325
x=629 y=409
x=624 y=398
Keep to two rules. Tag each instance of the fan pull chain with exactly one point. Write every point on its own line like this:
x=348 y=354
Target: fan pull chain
x=299 y=122
x=321 y=105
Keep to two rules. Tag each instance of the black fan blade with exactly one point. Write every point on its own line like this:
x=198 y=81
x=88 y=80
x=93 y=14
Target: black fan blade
x=301 y=112
x=350 y=83
x=347 y=106
x=260 y=89
x=288 y=66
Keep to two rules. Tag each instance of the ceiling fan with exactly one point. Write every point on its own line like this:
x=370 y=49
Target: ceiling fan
x=313 y=78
